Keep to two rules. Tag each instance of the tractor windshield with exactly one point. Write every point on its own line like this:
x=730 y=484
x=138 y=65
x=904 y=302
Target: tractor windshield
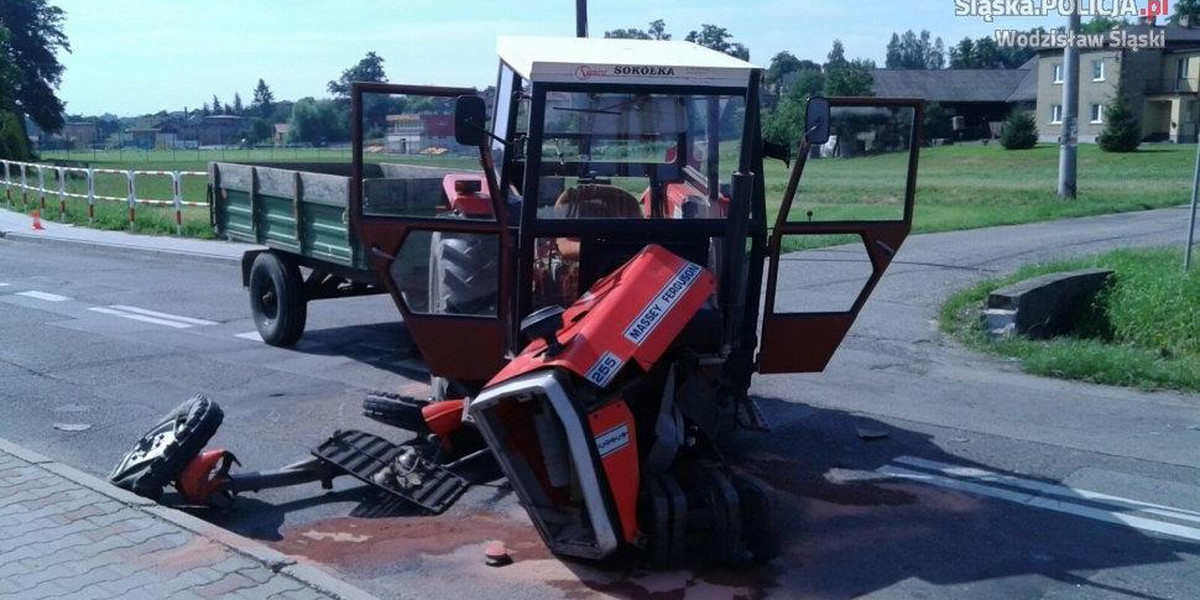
x=638 y=156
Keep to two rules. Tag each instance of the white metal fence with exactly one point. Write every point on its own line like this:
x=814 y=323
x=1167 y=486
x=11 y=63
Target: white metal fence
x=30 y=178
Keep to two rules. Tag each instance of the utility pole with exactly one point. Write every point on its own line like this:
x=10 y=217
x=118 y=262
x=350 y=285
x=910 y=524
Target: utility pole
x=581 y=24
x=1068 y=144
x=1191 y=232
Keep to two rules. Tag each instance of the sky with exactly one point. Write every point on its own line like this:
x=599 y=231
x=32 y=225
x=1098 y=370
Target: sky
x=132 y=57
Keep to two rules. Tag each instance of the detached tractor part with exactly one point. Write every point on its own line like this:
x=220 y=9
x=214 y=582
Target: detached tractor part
x=427 y=472
x=605 y=425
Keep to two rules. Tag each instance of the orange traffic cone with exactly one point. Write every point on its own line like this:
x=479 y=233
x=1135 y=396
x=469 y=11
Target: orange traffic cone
x=37 y=221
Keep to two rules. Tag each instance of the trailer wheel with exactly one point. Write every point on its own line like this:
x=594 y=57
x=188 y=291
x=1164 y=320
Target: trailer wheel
x=277 y=299
x=161 y=455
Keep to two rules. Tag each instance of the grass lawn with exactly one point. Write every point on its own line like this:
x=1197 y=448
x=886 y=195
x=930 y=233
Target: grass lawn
x=968 y=186
x=959 y=187
x=1145 y=332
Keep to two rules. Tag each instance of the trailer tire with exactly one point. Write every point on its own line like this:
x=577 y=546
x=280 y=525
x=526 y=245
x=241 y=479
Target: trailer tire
x=165 y=450
x=277 y=299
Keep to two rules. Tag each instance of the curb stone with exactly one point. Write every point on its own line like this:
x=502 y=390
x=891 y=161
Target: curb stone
x=115 y=247
x=275 y=561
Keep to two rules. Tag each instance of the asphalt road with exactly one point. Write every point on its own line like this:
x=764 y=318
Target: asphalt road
x=988 y=484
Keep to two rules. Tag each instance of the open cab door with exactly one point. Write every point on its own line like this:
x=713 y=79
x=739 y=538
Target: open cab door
x=858 y=167
x=425 y=205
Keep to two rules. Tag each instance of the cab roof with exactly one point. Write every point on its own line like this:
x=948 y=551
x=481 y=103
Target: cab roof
x=598 y=60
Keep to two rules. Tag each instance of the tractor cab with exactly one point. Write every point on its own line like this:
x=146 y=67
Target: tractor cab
x=588 y=279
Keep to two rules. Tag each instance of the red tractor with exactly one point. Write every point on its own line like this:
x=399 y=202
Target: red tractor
x=590 y=302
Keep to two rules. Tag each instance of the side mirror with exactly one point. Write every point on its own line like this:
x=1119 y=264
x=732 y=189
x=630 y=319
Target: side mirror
x=470 y=120
x=816 y=120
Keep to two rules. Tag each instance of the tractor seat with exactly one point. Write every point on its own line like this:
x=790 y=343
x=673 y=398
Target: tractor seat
x=597 y=201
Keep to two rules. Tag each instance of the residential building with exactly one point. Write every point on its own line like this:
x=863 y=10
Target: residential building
x=281 y=133
x=1161 y=85
x=414 y=133
x=977 y=100
x=220 y=130
x=80 y=134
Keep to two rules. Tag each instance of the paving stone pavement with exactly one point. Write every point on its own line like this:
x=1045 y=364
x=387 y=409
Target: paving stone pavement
x=65 y=537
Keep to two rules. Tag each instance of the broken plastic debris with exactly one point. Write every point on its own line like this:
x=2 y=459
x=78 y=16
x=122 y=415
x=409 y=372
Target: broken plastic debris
x=72 y=426
x=496 y=554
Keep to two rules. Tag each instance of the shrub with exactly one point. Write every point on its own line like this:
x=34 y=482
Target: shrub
x=1019 y=131
x=1122 y=132
x=937 y=122
x=13 y=143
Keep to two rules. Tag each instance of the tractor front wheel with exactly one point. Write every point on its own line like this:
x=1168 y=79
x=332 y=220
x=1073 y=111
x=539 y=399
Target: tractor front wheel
x=277 y=299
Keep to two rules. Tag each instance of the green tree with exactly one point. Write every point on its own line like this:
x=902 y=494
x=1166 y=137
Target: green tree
x=783 y=64
x=217 y=108
x=31 y=52
x=985 y=53
x=1103 y=24
x=785 y=124
x=910 y=51
x=937 y=122
x=1189 y=9
x=257 y=131
x=263 y=102
x=8 y=74
x=1019 y=131
x=370 y=68
x=854 y=79
x=656 y=31
x=718 y=38
x=1122 y=132
x=317 y=122
x=836 y=59
x=238 y=109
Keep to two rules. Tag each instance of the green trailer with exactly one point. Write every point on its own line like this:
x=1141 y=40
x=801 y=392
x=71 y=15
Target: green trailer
x=300 y=213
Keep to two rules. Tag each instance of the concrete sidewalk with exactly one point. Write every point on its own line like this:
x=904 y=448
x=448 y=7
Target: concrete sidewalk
x=67 y=535
x=17 y=225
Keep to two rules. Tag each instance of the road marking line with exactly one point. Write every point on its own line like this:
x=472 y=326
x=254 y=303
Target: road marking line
x=976 y=481
x=250 y=335
x=168 y=316
x=1043 y=487
x=36 y=295
x=136 y=317
x=3 y=285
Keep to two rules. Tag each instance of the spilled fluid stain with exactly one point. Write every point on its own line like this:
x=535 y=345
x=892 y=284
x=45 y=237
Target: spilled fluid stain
x=335 y=536
x=344 y=541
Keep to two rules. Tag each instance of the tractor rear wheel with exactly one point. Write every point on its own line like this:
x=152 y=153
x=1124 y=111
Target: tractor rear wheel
x=277 y=299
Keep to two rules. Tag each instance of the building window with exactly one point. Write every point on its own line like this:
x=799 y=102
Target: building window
x=1181 y=69
x=1097 y=113
x=1058 y=73
x=1098 y=70
x=1056 y=113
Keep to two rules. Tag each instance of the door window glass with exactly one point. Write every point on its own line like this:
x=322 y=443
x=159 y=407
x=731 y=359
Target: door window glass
x=409 y=149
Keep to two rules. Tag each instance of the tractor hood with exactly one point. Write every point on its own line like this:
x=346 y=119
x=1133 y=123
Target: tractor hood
x=633 y=314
